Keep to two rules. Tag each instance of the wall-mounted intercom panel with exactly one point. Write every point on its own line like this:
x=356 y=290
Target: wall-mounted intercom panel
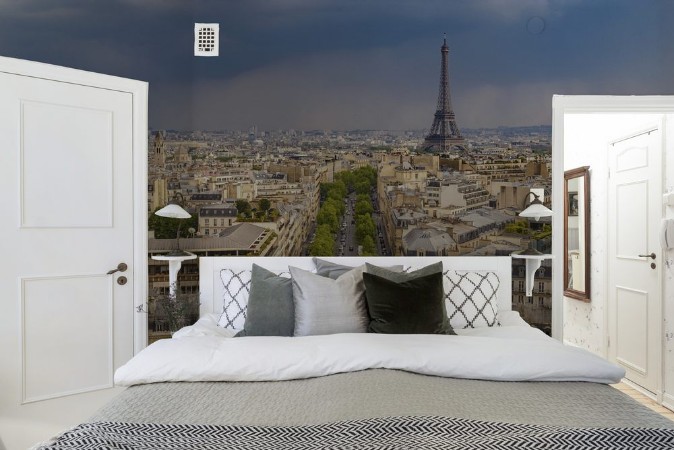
x=668 y=199
x=206 y=39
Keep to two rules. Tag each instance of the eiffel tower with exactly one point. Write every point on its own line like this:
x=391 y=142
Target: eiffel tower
x=445 y=133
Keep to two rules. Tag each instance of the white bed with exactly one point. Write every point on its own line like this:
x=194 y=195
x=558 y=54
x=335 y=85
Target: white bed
x=501 y=385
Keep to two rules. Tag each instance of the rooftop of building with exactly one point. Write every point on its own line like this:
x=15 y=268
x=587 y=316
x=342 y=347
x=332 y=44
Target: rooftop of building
x=408 y=214
x=428 y=239
x=487 y=215
x=243 y=236
x=246 y=234
x=499 y=248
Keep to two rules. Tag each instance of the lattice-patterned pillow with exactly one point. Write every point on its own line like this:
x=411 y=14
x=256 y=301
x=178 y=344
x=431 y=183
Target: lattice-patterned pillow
x=471 y=299
x=236 y=288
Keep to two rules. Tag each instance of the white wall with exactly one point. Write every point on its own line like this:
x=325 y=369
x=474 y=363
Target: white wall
x=586 y=138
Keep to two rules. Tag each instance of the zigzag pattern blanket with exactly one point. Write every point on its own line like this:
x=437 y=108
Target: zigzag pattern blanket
x=390 y=433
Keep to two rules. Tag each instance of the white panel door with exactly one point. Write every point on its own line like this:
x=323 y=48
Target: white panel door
x=67 y=219
x=634 y=290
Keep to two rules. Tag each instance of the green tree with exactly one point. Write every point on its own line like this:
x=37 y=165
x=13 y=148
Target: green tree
x=518 y=227
x=369 y=247
x=243 y=207
x=362 y=186
x=546 y=232
x=324 y=244
x=264 y=205
x=167 y=227
x=363 y=207
x=324 y=188
x=348 y=178
x=338 y=205
x=327 y=215
x=337 y=190
x=364 y=227
x=366 y=173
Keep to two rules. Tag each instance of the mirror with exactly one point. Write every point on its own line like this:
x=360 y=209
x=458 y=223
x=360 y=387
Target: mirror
x=577 y=233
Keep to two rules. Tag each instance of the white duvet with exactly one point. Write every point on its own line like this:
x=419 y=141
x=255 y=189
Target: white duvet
x=205 y=352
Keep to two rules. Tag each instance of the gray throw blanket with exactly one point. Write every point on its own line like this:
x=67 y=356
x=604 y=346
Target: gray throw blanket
x=393 y=433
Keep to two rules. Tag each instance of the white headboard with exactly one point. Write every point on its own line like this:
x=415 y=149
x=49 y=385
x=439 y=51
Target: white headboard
x=212 y=289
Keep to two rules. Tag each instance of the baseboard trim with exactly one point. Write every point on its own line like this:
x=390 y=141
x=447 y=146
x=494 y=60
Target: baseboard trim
x=668 y=401
x=642 y=390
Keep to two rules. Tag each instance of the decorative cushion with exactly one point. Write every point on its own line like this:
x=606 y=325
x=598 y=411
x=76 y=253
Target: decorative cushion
x=236 y=288
x=470 y=298
x=270 y=310
x=327 y=306
x=412 y=306
x=334 y=270
x=403 y=275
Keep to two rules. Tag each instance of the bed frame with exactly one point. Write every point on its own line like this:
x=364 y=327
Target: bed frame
x=212 y=290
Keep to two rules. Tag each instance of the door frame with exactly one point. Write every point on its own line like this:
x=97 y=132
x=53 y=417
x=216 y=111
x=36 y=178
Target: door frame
x=562 y=105
x=139 y=93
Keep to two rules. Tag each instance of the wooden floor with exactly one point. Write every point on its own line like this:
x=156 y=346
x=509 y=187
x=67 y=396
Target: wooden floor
x=644 y=400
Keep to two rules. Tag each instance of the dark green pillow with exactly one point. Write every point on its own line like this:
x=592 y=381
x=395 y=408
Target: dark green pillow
x=270 y=310
x=398 y=276
x=412 y=306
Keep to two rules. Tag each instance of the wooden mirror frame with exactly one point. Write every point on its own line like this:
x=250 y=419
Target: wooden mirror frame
x=584 y=183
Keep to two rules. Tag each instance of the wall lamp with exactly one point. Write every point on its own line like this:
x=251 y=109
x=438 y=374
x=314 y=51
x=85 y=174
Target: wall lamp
x=174 y=211
x=536 y=209
x=533 y=258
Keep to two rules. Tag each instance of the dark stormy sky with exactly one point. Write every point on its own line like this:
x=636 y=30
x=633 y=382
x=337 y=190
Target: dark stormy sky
x=347 y=64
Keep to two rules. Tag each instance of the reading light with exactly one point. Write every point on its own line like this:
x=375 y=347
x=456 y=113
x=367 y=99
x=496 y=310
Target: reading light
x=174 y=211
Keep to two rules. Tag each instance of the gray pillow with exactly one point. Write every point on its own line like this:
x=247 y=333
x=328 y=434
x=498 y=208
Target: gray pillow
x=271 y=311
x=327 y=306
x=334 y=271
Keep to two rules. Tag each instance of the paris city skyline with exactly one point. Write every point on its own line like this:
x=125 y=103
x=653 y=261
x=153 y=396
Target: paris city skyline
x=340 y=65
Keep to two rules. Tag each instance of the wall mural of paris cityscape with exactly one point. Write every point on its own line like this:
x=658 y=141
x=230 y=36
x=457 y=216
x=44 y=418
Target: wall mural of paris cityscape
x=325 y=126
x=432 y=192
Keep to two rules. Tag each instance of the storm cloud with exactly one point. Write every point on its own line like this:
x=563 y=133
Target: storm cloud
x=345 y=64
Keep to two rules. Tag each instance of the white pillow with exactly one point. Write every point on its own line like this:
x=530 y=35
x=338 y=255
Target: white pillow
x=470 y=297
x=327 y=306
x=236 y=284
x=236 y=289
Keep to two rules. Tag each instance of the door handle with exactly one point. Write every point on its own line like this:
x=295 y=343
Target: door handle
x=121 y=267
x=652 y=256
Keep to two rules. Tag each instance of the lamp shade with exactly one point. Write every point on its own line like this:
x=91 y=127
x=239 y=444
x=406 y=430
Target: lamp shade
x=174 y=211
x=536 y=210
